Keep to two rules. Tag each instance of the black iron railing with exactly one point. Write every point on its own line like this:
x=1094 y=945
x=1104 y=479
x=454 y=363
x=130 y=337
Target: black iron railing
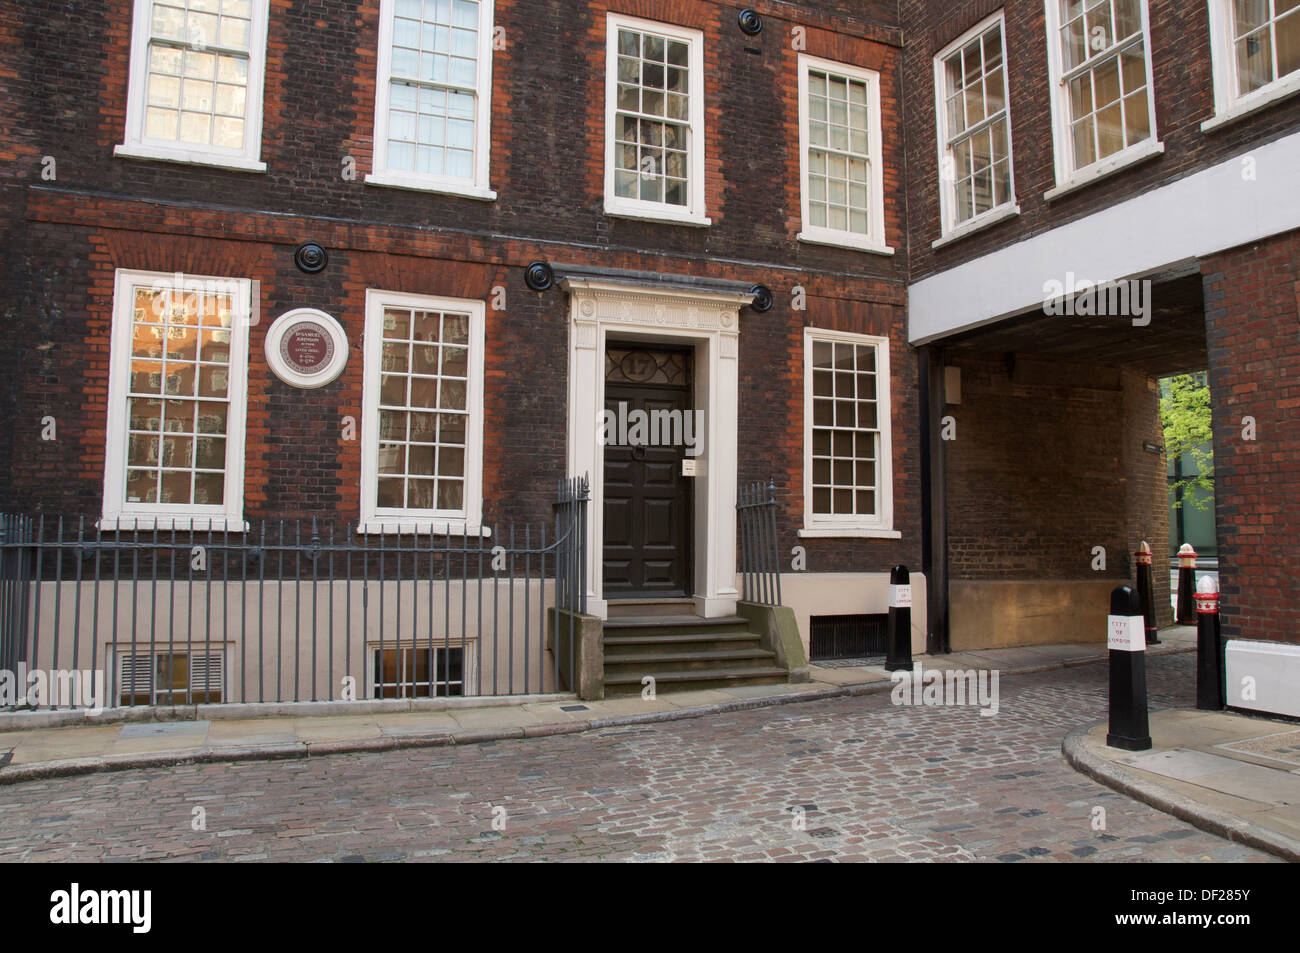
x=760 y=552
x=290 y=610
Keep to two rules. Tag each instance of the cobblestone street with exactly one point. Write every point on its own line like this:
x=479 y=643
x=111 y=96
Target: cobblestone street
x=847 y=779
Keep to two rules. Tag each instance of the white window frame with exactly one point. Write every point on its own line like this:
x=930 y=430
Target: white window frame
x=874 y=241
x=118 y=514
x=694 y=213
x=171 y=696
x=882 y=524
x=469 y=519
x=480 y=186
x=949 y=227
x=1229 y=104
x=468 y=671
x=136 y=145
x=1068 y=178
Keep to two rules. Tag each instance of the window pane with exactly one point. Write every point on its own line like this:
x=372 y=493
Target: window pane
x=1288 y=39
x=1254 y=62
x=425 y=366
x=430 y=124
x=653 y=87
x=843 y=443
x=163 y=455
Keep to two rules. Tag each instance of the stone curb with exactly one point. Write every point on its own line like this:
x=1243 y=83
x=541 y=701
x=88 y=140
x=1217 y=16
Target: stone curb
x=1082 y=755
x=30 y=720
x=16 y=774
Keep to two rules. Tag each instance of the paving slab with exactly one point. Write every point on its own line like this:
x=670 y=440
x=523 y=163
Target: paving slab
x=414 y=724
x=1189 y=774
x=165 y=729
x=252 y=731
x=631 y=705
x=832 y=677
x=1068 y=652
x=334 y=728
x=488 y=719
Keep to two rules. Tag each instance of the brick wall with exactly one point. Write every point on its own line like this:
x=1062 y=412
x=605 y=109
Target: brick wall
x=1046 y=465
x=68 y=63
x=1252 y=302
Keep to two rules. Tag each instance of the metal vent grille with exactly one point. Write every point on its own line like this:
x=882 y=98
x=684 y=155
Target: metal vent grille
x=848 y=636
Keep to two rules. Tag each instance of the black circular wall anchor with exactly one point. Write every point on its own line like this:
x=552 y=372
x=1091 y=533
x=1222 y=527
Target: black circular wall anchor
x=751 y=24
x=762 y=298
x=311 y=257
x=539 y=276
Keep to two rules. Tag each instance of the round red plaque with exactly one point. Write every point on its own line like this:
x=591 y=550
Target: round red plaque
x=306 y=348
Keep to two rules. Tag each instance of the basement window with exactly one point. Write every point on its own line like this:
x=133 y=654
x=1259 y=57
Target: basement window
x=418 y=672
x=170 y=678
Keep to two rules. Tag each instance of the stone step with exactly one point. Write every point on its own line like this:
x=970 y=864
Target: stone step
x=673 y=625
x=620 y=608
x=667 y=643
x=653 y=663
x=697 y=679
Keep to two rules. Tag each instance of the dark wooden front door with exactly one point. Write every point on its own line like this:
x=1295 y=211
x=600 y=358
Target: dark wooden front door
x=647 y=500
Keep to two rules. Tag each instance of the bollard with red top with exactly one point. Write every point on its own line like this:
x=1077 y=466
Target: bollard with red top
x=1209 y=651
x=1186 y=614
x=1147 y=591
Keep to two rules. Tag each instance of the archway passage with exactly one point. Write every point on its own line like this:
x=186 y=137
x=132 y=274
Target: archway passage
x=1053 y=468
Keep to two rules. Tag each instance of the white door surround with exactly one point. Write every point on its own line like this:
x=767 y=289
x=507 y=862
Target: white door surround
x=705 y=316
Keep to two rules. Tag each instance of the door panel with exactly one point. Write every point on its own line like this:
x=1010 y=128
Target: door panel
x=647 y=507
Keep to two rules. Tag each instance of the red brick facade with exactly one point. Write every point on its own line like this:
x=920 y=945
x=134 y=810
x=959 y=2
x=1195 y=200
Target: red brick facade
x=1252 y=300
x=103 y=213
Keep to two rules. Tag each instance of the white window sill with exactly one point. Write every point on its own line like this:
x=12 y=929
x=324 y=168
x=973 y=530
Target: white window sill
x=419 y=183
x=815 y=236
x=149 y=523
x=849 y=532
x=978 y=224
x=657 y=214
x=1111 y=164
x=188 y=157
x=1252 y=102
x=417 y=527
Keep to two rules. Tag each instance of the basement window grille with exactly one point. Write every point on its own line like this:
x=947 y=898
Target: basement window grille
x=848 y=636
x=170 y=678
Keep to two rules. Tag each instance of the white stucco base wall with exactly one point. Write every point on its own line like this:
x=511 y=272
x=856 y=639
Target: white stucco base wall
x=1264 y=677
x=847 y=593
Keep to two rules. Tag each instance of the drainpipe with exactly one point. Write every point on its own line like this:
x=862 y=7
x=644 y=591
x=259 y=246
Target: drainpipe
x=934 y=502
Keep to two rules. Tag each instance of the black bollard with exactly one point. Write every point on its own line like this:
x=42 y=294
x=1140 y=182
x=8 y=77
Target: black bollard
x=1186 y=614
x=1128 y=673
x=1209 y=651
x=899 y=648
x=1147 y=591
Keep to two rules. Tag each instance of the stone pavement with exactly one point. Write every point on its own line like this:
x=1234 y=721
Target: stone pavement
x=234 y=732
x=1235 y=775
x=846 y=777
